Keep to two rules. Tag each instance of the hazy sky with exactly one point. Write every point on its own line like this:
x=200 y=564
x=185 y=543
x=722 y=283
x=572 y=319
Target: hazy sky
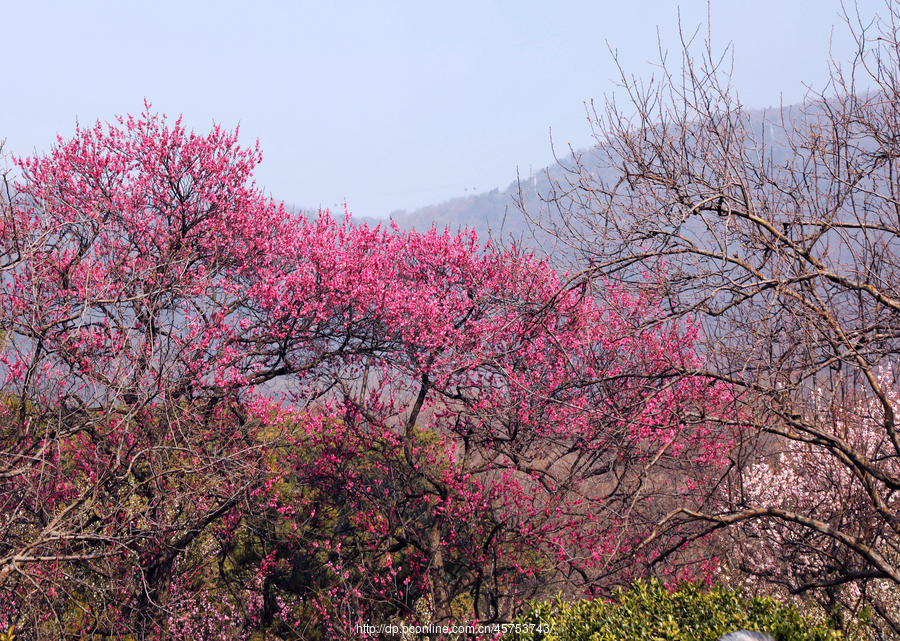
x=386 y=104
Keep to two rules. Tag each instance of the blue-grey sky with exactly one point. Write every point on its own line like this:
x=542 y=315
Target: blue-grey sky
x=387 y=104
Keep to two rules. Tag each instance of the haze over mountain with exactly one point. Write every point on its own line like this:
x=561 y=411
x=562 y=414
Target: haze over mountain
x=498 y=214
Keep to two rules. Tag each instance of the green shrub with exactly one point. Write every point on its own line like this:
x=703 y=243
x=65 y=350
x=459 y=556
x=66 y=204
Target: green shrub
x=650 y=612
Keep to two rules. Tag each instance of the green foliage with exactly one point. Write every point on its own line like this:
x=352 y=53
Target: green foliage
x=650 y=612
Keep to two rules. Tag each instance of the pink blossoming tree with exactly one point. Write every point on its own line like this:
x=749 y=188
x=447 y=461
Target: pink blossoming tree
x=807 y=482
x=218 y=417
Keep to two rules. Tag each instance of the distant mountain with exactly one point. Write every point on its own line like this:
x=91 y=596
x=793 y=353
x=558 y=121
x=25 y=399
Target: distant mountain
x=490 y=214
x=496 y=214
x=493 y=215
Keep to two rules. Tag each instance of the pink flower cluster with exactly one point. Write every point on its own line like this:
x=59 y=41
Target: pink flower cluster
x=389 y=415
